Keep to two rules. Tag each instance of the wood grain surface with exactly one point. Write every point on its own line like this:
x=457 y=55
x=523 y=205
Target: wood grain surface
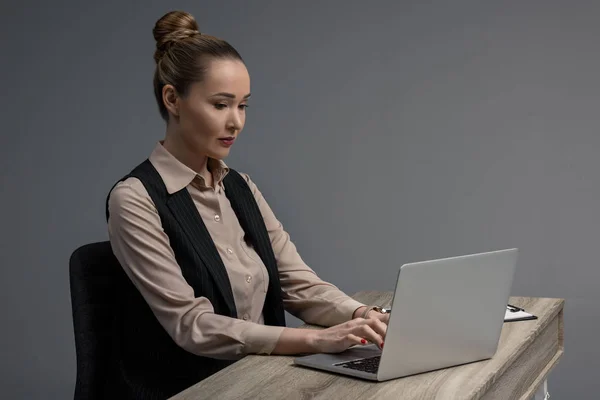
x=527 y=352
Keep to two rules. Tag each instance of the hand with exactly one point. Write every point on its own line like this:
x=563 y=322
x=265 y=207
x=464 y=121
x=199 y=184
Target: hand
x=354 y=332
x=371 y=314
x=385 y=318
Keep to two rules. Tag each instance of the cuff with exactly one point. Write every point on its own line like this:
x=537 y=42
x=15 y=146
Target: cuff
x=261 y=339
x=346 y=308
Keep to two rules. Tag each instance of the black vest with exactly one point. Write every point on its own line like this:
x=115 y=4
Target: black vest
x=150 y=364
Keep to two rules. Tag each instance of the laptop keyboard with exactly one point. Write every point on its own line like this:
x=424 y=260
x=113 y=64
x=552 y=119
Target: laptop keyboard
x=370 y=364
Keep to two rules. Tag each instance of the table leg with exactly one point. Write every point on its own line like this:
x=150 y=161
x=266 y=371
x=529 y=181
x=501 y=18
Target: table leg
x=542 y=392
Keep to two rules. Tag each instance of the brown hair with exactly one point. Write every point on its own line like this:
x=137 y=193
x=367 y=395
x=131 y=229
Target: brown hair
x=182 y=54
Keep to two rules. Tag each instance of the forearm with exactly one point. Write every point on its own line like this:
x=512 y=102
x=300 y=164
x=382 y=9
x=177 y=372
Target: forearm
x=295 y=341
x=331 y=340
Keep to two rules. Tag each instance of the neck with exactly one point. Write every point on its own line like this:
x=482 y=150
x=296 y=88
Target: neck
x=198 y=163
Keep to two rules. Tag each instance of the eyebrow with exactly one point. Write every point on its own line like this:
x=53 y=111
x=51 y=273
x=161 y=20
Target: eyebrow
x=229 y=95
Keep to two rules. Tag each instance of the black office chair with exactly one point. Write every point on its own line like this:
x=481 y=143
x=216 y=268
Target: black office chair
x=95 y=276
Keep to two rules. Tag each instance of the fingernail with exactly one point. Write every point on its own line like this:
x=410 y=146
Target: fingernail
x=382 y=345
x=363 y=341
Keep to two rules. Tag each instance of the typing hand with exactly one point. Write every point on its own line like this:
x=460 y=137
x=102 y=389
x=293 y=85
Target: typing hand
x=372 y=314
x=379 y=316
x=354 y=332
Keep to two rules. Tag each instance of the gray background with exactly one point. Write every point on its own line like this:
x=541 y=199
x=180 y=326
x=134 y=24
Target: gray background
x=380 y=134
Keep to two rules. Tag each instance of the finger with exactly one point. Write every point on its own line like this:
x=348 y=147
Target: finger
x=374 y=323
x=368 y=333
x=377 y=326
x=352 y=340
x=385 y=319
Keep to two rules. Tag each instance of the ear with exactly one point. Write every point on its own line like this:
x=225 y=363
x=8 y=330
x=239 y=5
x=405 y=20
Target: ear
x=171 y=99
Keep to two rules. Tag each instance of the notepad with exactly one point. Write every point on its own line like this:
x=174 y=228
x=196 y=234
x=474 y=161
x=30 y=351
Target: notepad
x=514 y=314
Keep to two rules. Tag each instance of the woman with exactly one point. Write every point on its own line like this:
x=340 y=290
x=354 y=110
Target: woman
x=211 y=266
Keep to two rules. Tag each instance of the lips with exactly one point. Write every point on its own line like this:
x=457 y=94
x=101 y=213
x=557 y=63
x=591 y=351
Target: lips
x=228 y=141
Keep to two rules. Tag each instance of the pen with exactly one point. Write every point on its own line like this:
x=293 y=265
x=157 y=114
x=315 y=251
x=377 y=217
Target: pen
x=514 y=308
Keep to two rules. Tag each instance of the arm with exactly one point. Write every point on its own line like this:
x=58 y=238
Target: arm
x=332 y=340
x=304 y=294
x=142 y=248
x=359 y=311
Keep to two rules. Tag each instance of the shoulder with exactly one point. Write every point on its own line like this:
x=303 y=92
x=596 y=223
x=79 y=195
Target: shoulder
x=248 y=181
x=245 y=176
x=256 y=193
x=129 y=194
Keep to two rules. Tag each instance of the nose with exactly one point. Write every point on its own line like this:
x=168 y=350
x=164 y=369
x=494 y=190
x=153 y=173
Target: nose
x=235 y=122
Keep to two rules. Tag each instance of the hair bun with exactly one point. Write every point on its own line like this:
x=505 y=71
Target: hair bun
x=171 y=28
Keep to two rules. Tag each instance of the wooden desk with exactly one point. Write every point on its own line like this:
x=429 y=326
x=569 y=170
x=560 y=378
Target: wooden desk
x=527 y=352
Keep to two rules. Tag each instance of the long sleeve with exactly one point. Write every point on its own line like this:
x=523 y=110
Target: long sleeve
x=142 y=247
x=305 y=295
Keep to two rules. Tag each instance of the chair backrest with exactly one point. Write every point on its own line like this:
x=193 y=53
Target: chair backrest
x=94 y=275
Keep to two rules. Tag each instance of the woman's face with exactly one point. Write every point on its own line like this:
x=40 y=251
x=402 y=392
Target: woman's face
x=213 y=113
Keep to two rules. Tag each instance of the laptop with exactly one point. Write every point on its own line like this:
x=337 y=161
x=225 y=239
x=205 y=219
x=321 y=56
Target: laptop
x=445 y=312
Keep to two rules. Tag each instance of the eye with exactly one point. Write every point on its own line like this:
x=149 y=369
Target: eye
x=220 y=106
x=244 y=106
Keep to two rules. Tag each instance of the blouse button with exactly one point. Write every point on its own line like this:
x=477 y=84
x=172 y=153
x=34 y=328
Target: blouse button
x=217 y=218
x=248 y=278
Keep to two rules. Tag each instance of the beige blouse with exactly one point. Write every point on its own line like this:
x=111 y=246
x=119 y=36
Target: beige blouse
x=142 y=247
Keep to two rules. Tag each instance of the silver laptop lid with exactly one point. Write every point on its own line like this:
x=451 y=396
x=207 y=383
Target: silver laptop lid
x=447 y=312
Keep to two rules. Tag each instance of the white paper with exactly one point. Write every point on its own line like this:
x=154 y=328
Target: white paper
x=509 y=316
